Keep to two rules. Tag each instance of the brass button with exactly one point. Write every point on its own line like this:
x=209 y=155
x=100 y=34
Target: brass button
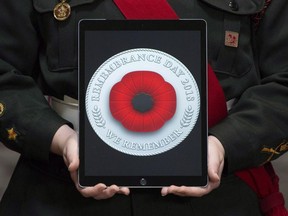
x=62 y=11
x=2 y=107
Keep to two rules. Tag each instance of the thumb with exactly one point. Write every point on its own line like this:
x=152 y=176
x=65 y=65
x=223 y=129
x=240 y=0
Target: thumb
x=74 y=164
x=213 y=171
x=216 y=154
x=71 y=157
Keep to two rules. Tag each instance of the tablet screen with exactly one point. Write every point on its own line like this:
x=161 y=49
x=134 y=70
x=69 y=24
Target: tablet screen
x=142 y=98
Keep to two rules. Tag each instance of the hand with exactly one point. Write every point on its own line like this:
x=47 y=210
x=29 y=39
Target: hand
x=216 y=155
x=65 y=143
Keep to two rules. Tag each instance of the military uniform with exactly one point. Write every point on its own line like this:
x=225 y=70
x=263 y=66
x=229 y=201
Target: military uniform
x=38 y=56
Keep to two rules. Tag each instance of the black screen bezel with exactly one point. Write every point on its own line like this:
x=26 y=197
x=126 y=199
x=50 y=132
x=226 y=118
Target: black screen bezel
x=142 y=25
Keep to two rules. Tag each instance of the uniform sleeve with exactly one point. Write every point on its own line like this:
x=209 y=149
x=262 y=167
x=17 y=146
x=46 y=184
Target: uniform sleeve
x=256 y=129
x=27 y=124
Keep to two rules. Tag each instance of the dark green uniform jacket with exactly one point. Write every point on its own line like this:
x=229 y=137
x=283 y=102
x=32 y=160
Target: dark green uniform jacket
x=38 y=56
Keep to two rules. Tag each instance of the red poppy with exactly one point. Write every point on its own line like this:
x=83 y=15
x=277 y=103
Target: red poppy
x=142 y=101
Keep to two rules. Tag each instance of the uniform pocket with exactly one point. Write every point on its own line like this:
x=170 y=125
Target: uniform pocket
x=59 y=37
x=235 y=56
x=232 y=52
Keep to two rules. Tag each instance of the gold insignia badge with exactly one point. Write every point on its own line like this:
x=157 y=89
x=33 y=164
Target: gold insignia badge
x=2 y=107
x=270 y=150
x=62 y=10
x=284 y=146
x=12 y=135
x=231 y=39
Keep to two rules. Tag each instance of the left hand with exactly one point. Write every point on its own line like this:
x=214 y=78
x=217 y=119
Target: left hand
x=216 y=154
x=65 y=143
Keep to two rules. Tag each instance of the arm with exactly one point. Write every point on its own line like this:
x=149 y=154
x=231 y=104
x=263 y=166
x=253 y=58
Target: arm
x=259 y=120
x=27 y=124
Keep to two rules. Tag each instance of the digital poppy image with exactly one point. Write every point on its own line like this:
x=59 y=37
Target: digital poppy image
x=142 y=101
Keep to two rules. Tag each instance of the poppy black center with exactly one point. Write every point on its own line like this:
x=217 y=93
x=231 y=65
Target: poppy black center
x=142 y=102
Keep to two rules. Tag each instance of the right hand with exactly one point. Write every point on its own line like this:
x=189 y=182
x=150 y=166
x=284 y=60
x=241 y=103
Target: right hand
x=216 y=155
x=65 y=143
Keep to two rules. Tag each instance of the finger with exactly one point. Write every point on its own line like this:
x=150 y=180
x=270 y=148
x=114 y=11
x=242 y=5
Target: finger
x=108 y=192
x=71 y=157
x=213 y=171
x=189 y=191
x=91 y=191
x=74 y=177
x=74 y=164
x=164 y=191
x=99 y=192
x=216 y=155
x=124 y=191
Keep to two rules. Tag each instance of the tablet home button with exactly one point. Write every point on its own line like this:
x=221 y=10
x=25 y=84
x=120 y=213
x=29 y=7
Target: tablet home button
x=143 y=181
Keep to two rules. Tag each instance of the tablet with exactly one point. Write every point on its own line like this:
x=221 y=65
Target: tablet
x=142 y=99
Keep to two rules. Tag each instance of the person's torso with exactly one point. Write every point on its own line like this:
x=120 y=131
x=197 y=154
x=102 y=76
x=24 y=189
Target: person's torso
x=229 y=27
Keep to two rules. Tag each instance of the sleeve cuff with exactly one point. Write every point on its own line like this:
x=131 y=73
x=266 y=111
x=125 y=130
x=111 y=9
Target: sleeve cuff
x=39 y=137
x=239 y=148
